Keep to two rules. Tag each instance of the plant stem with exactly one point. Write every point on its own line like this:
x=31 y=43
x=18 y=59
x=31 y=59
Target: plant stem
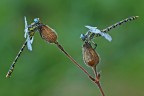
x=96 y=81
x=62 y=49
x=101 y=90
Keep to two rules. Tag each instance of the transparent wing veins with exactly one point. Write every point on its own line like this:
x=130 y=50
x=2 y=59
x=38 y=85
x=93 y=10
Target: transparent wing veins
x=27 y=36
x=97 y=31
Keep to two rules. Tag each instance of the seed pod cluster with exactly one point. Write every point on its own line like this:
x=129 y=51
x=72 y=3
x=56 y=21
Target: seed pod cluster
x=48 y=34
x=90 y=56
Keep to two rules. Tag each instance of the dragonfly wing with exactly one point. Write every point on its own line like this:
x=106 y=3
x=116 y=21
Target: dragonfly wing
x=26 y=28
x=93 y=29
x=29 y=46
x=97 y=31
x=107 y=36
x=25 y=35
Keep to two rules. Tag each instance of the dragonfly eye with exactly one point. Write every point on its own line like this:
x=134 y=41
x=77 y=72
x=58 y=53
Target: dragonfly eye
x=83 y=37
x=36 y=20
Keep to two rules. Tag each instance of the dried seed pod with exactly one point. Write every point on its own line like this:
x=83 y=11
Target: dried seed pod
x=90 y=56
x=48 y=34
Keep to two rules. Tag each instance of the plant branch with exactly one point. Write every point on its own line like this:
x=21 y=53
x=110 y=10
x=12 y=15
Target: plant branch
x=96 y=81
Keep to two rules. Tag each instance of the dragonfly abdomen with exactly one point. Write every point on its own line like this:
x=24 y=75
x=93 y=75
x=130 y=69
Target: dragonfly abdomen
x=114 y=26
x=14 y=62
x=119 y=23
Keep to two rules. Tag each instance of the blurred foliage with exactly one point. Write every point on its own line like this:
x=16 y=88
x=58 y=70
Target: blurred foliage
x=47 y=72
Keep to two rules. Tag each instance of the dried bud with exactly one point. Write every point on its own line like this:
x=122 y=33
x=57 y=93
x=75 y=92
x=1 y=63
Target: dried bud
x=90 y=56
x=48 y=34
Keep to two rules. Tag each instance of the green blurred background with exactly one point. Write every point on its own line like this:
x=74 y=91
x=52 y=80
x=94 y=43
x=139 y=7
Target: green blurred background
x=48 y=72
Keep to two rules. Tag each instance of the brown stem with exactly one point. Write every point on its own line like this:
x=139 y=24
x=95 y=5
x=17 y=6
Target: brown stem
x=96 y=81
x=95 y=72
x=101 y=90
x=62 y=49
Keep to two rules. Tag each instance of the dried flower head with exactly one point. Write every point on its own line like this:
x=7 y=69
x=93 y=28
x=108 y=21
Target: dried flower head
x=48 y=34
x=90 y=56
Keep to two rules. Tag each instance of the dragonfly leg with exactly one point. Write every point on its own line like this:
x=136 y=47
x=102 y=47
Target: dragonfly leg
x=95 y=45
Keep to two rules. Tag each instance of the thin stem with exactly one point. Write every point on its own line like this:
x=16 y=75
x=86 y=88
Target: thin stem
x=101 y=90
x=62 y=49
x=95 y=72
x=96 y=81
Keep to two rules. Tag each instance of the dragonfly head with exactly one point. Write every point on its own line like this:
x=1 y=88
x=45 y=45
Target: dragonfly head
x=36 y=20
x=83 y=37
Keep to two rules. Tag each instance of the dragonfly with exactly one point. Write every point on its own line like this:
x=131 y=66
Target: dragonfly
x=29 y=35
x=95 y=32
x=49 y=35
x=90 y=56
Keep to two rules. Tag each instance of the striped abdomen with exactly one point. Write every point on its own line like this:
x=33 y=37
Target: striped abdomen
x=115 y=25
x=119 y=23
x=14 y=62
